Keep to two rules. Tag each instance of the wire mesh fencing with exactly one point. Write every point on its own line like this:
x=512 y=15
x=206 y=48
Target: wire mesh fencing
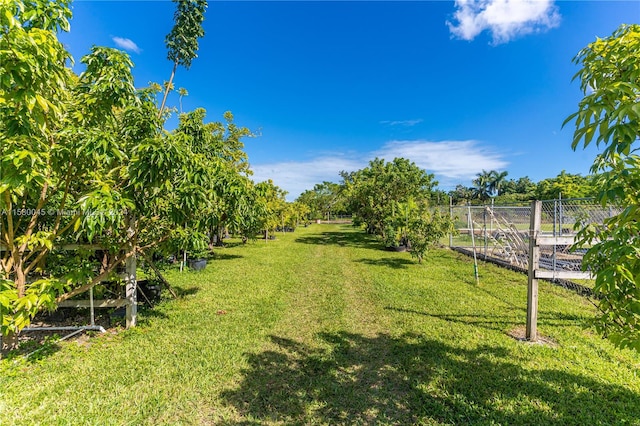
x=501 y=233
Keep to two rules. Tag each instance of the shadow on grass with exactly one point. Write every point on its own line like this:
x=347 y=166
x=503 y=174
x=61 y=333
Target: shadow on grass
x=228 y=244
x=499 y=297
x=225 y=256
x=190 y=291
x=356 y=379
x=390 y=262
x=343 y=239
x=33 y=351
x=497 y=322
x=148 y=312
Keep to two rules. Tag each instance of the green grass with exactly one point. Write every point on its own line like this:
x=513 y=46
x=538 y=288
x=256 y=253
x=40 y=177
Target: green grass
x=323 y=327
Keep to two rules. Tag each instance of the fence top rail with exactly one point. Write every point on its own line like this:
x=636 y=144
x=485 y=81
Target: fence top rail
x=582 y=201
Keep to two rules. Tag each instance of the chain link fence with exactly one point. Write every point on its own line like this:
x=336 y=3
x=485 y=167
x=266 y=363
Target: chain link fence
x=501 y=233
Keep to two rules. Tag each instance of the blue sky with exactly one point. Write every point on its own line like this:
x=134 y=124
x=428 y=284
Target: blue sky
x=457 y=87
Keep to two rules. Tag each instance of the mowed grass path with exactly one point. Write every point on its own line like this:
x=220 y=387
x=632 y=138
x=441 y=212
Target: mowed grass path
x=321 y=326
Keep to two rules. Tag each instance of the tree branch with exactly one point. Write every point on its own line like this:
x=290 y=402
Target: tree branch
x=167 y=89
x=96 y=280
x=157 y=272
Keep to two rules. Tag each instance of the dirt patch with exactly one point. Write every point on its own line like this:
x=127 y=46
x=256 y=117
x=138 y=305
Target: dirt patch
x=519 y=333
x=30 y=341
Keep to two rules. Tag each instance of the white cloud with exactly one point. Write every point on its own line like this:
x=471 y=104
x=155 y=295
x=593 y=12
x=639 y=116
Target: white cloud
x=407 y=123
x=452 y=162
x=296 y=177
x=126 y=44
x=504 y=19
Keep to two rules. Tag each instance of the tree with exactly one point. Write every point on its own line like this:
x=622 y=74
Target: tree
x=182 y=41
x=489 y=184
x=85 y=159
x=271 y=198
x=426 y=227
x=525 y=186
x=298 y=212
x=497 y=182
x=565 y=185
x=325 y=198
x=517 y=191
x=373 y=192
x=33 y=92
x=461 y=195
x=218 y=147
x=609 y=113
x=482 y=185
x=65 y=151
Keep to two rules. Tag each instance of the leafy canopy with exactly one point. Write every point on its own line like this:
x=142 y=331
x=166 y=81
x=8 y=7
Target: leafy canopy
x=182 y=41
x=609 y=113
x=373 y=192
x=85 y=159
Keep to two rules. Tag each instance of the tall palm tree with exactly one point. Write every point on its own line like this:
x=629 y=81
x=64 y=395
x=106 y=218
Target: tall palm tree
x=497 y=182
x=481 y=185
x=489 y=184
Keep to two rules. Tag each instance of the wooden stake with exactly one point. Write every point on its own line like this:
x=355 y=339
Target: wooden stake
x=130 y=277
x=158 y=274
x=534 y=260
x=131 y=291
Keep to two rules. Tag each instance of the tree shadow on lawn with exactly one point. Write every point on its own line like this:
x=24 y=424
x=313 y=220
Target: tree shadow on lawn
x=343 y=239
x=35 y=350
x=183 y=292
x=225 y=256
x=149 y=312
x=389 y=262
x=226 y=243
x=356 y=379
x=498 y=322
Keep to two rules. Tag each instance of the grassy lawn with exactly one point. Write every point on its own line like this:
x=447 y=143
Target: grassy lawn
x=321 y=326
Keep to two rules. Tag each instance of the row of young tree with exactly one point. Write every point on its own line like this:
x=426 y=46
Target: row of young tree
x=392 y=199
x=389 y=199
x=329 y=199
x=398 y=201
x=85 y=159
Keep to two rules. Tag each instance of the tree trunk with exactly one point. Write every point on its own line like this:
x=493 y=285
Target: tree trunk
x=167 y=89
x=212 y=238
x=158 y=273
x=220 y=236
x=20 y=277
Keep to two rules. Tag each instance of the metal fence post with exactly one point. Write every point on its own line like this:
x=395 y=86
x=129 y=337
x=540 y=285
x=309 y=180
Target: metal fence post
x=557 y=231
x=484 y=219
x=560 y=213
x=451 y=217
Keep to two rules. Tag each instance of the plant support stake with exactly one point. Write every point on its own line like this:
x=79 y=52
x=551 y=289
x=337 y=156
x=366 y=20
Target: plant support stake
x=473 y=244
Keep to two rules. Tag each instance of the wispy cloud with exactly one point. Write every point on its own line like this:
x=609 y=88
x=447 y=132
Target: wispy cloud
x=452 y=162
x=407 y=123
x=126 y=44
x=504 y=19
x=296 y=177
